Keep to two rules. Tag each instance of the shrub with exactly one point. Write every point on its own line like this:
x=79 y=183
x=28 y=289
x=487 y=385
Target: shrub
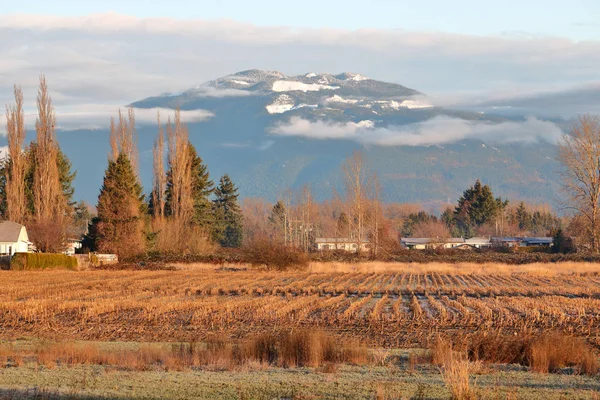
x=174 y=236
x=264 y=252
x=26 y=261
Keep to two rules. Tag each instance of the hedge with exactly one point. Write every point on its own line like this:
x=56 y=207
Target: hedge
x=28 y=261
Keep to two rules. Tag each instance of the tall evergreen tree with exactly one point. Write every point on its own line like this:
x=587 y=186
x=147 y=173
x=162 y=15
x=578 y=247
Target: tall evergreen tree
x=227 y=229
x=342 y=226
x=476 y=207
x=279 y=220
x=202 y=189
x=120 y=210
x=523 y=217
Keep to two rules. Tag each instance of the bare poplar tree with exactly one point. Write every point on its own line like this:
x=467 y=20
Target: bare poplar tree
x=160 y=180
x=48 y=197
x=123 y=138
x=579 y=152
x=113 y=139
x=376 y=212
x=301 y=221
x=180 y=164
x=355 y=176
x=15 y=174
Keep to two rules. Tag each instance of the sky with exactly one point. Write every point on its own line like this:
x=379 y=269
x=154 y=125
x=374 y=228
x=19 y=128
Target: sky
x=99 y=55
x=576 y=19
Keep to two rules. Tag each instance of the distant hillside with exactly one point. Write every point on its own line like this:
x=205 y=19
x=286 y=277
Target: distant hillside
x=249 y=108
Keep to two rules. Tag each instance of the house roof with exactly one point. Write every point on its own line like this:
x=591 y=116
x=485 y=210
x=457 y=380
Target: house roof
x=10 y=231
x=529 y=240
x=478 y=241
x=338 y=240
x=538 y=240
x=506 y=239
x=417 y=241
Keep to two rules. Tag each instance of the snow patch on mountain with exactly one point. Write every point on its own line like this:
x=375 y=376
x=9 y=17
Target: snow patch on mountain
x=339 y=99
x=397 y=105
x=311 y=75
x=358 y=78
x=244 y=83
x=284 y=103
x=281 y=104
x=290 y=86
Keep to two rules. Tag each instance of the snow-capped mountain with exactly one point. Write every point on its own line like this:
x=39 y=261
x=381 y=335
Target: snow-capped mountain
x=271 y=132
x=323 y=93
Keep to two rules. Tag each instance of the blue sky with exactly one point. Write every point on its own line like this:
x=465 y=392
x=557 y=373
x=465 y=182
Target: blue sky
x=575 y=19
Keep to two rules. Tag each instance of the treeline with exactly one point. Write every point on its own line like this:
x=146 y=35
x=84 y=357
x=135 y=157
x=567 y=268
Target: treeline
x=296 y=221
x=478 y=213
x=36 y=179
x=185 y=211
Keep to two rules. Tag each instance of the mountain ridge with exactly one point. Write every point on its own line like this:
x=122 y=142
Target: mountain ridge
x=272 y=137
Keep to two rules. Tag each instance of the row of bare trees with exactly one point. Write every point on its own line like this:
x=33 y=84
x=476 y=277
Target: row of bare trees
x=296 y=220
x=49 y=215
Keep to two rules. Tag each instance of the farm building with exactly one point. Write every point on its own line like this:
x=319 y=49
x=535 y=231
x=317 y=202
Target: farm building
x=474 y=243
x=522 y=241
x=71 y=246
x=341 y=244
x=432 y=243
x=13 y=238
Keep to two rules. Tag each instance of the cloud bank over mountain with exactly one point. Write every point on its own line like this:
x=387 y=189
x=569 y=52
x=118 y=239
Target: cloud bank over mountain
x=93 y=116
x=436 y=131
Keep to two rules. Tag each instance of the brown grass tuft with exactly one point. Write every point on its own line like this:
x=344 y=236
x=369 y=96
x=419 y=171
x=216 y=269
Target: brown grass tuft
x=552 y=352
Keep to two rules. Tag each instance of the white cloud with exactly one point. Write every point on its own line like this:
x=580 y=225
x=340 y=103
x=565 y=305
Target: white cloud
x=436 y=131
x=93 y=116
x=117 y=59
x=209 y=91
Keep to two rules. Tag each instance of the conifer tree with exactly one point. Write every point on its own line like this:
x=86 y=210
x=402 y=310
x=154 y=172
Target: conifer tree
x=65 y=176
x=120 y=210
x=227 y=229
x=279 y=218
x=202 y=189
x=476 y=207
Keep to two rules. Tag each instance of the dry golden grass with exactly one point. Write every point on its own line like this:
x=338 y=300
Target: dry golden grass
x=288 y=349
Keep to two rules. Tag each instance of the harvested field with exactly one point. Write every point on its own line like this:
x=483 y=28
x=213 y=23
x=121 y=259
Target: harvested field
x=389 y=308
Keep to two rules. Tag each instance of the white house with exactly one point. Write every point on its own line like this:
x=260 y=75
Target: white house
x=431 y=243
x=13 y=238
x=71 y=246
x=341 y=244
